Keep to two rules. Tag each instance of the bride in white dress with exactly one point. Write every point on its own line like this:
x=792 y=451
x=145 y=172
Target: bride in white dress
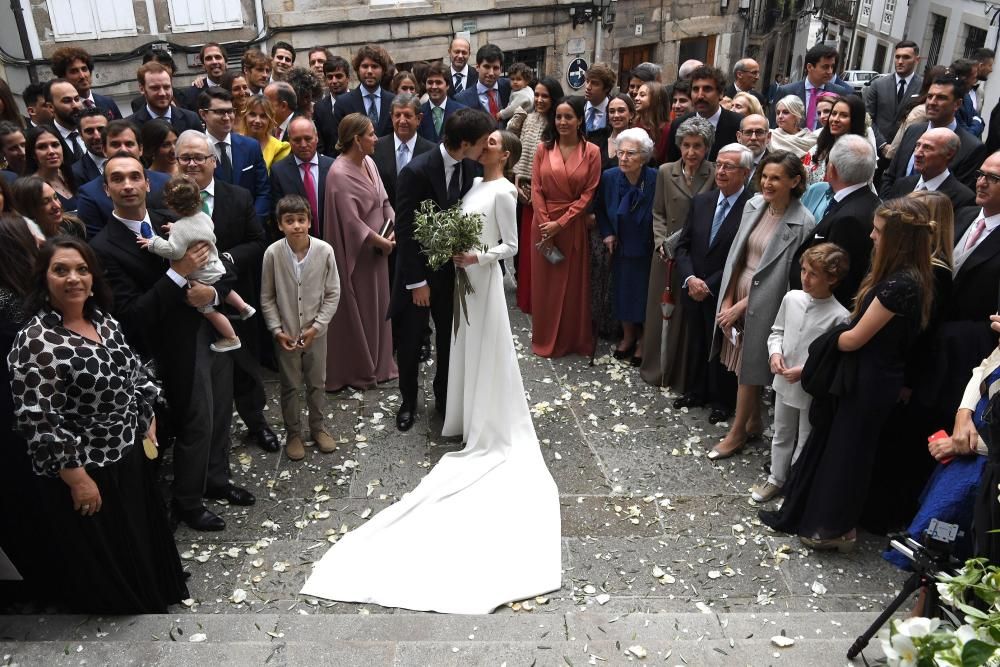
x=482 y=528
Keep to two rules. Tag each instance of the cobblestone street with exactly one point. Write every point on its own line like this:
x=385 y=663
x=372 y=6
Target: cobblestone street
x=664 y=560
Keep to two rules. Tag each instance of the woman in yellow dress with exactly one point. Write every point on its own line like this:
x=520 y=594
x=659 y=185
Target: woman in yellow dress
x=258 y=122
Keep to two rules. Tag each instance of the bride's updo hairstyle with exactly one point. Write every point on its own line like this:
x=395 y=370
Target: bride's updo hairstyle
x=903 y=247
x=512 y=144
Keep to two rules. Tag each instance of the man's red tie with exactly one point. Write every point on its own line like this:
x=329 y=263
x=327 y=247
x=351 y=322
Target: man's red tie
x=309 y=185
x=491 y=95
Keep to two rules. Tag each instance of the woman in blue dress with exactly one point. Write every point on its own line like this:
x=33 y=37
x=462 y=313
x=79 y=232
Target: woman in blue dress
x=625 y=219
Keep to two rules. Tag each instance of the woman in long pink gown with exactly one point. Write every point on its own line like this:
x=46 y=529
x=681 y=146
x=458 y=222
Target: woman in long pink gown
x=357 y=207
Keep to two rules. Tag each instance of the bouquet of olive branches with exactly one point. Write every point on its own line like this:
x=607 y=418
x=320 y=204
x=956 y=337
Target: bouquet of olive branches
x=442 y=234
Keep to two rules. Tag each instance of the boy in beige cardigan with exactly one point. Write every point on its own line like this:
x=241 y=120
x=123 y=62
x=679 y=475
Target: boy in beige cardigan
x=300 y=289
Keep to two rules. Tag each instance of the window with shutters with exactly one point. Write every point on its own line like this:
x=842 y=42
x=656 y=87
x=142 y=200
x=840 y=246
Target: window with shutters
x=199 y=15
x=91 y=19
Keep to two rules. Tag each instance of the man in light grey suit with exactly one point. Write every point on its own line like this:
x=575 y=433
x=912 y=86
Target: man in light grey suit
x=821 y=66
x=887 y=95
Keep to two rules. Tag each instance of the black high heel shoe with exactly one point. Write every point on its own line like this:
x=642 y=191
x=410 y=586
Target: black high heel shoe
x=624 y=354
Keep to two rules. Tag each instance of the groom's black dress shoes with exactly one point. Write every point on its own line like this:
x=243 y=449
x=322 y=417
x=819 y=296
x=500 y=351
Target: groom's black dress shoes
x=405 y=417
x=198 y=518
x=265 y=439
x=234 y=494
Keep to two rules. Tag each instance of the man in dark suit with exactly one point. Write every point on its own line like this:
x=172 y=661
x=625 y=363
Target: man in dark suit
x=240 y=239
x=34 y=102
x=438 y=107
x=969 y=117
x=746 y=73
x=755 y=134
x=156 y=85
x=289 y=176
x=337 y=73
x=848 y=218
x=240 y=160
x=92 y=123
x=709 y=231
x=93 y=205
x=460 y=74
x=442 y=176
x=77 y=66
x=935 y=149
x=283 y=103
x=63 y=104
x=821 y=65
x=394 y=152
x=944 y=96
x=370 y=62
x=597 y=91
x=213 y=62
x=887 y=96
x=706 y=93
x=491 y=92
x=157 y=309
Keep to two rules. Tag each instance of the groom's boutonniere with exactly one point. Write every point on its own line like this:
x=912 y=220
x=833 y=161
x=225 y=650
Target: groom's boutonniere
x=442 y=234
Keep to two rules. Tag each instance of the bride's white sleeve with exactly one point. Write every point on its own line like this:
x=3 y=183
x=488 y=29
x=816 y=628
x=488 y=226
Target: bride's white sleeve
x=505 y=211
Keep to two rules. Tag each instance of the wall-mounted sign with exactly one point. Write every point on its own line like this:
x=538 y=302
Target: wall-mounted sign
x=576 y=46
x=576 y=73
x=638 y=30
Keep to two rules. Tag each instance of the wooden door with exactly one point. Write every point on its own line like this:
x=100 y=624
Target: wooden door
x=628 y=58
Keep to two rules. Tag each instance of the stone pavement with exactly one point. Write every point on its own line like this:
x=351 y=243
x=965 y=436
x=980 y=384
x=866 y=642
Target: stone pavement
x=664 y=561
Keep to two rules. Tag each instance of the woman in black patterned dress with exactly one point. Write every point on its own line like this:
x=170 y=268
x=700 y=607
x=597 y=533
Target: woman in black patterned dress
x=83 y=402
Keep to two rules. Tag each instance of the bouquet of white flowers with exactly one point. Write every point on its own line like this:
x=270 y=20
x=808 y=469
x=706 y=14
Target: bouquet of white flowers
x=443 y=234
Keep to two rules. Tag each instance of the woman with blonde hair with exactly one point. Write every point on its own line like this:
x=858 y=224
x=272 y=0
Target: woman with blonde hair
x=746 y=104
x=789 y=135
x=258 y=122
x=826 y=495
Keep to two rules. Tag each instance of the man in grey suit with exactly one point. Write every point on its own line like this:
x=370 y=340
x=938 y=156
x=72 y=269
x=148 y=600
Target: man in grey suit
x=821 y=65
x=887 y=95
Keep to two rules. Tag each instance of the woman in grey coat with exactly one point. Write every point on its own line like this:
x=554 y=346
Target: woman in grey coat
x=774 y=225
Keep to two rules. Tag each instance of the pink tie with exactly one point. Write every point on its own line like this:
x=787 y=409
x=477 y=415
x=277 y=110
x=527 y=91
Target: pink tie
x=811 y=112
x=976 y=233
x=310 y=187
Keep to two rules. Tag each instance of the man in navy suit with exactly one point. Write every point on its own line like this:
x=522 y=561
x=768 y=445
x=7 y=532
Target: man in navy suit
x=156 y=85
x=491 y=93
x=63 y=103
x=461 y=74
x=93 y=205
x=707 y=84
x=708 y=232
x=91 y=164
x=438 y=107
x=337 y=73
x=442 y=176
x=935 y=149
x=370 y=98
x=821 y=65
x=288 y=175
x=213 y=62
x=395 y=151
x=969 y=117
x=240 y=160
x=77 y=66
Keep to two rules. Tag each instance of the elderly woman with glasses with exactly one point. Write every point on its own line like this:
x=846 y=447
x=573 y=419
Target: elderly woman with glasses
x=676 y=184
x=625 y=219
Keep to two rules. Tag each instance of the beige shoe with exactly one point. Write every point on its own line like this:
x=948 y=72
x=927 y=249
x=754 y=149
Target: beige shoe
x=226 y=344
x=323 y=440
x=761 y=493
x=295 y=449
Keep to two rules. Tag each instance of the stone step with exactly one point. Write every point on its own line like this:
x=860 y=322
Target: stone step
x=430 y=639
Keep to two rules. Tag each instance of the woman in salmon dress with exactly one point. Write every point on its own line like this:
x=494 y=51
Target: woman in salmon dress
x=565 y=176
x=357 y=206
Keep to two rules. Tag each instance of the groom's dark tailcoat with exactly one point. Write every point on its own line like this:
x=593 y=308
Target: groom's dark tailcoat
x=423 y=178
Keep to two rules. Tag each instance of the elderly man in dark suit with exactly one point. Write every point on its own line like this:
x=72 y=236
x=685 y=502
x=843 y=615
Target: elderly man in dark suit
x=755 y=134
x=395 y=151
x=157 y=309
x=460 y=74
x=438 y=107
x=706 y=93
x=156 y=85
x=944 y=96
x=491 y=92
x=442 y=176
x=283 y=101
x=746 y=73
x=370 y=98
x=848 y=218
x=935 y=149
x=303 y=172
x=886 y=96
x=708 y=232
x=821 y=66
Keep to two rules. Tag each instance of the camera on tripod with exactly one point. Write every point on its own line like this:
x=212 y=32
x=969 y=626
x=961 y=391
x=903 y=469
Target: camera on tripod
x=928 y=558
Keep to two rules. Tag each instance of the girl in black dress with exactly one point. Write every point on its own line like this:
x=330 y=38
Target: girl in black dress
x=829 y=485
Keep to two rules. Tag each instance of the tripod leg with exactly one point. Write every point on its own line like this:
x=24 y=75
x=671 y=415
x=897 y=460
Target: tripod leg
x=909 y=586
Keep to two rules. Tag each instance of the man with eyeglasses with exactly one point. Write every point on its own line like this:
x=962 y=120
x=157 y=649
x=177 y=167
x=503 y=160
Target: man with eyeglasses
x=156 y=85
x=755 y=134
x=708 y=233
x=746 y=73
x=239 y=159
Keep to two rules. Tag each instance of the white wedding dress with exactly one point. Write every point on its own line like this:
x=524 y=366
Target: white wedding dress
x=482 y=528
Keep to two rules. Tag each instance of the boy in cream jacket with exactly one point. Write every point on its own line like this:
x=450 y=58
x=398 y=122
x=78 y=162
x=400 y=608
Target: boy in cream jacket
x=300 y=289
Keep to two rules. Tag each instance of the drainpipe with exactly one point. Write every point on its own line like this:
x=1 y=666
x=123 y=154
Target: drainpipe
x=22 y=31
x=598 y=36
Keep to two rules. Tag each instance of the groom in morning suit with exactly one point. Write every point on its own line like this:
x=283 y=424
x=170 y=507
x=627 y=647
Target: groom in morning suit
x=443 y=176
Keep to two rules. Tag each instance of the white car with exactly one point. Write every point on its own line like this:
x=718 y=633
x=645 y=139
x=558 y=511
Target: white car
x=858 y=78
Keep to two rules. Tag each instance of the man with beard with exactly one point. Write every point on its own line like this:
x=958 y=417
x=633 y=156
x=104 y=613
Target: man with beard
x=63 y=101
x=706 y=93
x=92 y=123
x=213 y=62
